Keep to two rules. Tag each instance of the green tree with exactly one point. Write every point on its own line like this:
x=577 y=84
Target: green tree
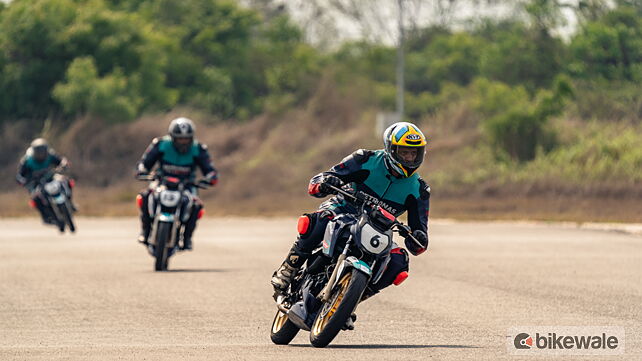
x=447 y=58
x=610 y=48
x=520 y=55
x=33 y=53
x=85 y=92
x=515 y=124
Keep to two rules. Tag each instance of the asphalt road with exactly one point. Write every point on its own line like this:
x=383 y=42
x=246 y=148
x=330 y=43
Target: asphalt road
x=94 y=295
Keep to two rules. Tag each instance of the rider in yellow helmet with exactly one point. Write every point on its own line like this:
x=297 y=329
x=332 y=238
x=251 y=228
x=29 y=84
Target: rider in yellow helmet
x=388 y=176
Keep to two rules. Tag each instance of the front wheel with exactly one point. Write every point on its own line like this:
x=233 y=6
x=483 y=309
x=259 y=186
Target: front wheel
x=66 y=213
x=59 y=216
x=160 y=252
x=335 y=313
x=283 y=330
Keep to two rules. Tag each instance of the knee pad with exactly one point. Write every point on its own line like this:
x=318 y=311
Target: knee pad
x=400 y=259
x=303 y=226
x=313 y=224
x=311 y=228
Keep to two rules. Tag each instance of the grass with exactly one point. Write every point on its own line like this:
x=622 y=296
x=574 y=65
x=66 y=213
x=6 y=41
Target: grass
x=594 y=173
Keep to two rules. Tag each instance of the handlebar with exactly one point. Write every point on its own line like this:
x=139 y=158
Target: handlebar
x=400 y=227
x=146 y=177
x=153 y=177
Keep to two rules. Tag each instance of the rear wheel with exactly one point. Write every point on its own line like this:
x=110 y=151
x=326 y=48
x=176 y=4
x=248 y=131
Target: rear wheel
x=160 y=252
x=335 y=313
x=283 y=330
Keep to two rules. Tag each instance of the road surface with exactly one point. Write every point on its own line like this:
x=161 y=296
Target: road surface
x=94 y=296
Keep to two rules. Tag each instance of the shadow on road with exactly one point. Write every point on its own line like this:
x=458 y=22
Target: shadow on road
x=197 y=270
x=385 y=346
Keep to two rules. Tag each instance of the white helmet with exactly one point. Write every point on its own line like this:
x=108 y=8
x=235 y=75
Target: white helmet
x=181 y=128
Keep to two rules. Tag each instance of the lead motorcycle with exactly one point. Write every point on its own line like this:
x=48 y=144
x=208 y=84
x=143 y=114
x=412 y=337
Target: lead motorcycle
x=327 y=289
x=170 y=206
x=55 y=190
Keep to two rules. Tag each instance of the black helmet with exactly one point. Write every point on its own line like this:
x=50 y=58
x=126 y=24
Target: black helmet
x=179 y=129
x=39 y=149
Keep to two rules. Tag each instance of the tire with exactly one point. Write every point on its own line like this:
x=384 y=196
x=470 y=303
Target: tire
x=60 y=223
x=283 y=330
x=335 y=313
x=160 y=252
x=66 y=213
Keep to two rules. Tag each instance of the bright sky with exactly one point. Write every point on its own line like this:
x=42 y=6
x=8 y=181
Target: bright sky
x=381 y=15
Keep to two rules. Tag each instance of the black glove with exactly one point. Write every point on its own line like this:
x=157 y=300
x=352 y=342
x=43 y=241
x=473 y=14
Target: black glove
x=331 y=180
x=140 y=174
x=205 y=183
x=413 y=247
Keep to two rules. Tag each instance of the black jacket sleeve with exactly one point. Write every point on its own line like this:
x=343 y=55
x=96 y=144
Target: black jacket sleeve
x=150 y=157
x=204 y=162
x=348 y=170
x=24 y=173
x=56 y=160
x=419 y=208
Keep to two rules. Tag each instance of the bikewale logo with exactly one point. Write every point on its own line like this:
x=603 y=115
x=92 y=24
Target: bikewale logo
x=607 y=340
x=523 y=341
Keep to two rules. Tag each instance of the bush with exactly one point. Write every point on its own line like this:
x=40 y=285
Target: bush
x=515 y=124
x=84 y=92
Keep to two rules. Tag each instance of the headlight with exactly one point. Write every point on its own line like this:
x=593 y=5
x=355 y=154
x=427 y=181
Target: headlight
x=374 y=241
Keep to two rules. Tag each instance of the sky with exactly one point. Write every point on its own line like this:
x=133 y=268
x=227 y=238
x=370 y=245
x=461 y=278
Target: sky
x=379 y=18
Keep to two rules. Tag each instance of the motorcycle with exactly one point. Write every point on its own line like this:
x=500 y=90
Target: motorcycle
x=327 y=289
x=170 y=206
x=55 y=190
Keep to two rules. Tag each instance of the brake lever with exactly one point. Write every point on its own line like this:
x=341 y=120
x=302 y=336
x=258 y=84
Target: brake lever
x=344 y=193
x=408 y=232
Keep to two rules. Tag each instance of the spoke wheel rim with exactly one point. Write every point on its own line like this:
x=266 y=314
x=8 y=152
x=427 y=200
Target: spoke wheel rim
x=330 y=308
x=279 y=321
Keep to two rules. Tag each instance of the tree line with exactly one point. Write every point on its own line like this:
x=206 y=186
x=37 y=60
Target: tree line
x=116 y=59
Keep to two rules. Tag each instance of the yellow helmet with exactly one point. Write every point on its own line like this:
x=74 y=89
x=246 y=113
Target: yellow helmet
x=403 y=135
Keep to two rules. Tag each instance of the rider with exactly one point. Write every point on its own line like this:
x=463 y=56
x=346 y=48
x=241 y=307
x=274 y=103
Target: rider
x=178 y=155
x=388 y=177
x=38 y=160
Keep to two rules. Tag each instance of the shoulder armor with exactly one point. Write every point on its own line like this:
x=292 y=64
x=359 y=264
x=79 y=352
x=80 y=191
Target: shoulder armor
x=362 y=155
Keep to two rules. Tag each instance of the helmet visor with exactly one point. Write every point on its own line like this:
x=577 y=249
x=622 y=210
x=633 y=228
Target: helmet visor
x=40 y=153
x=409 y=157
x=182 y=144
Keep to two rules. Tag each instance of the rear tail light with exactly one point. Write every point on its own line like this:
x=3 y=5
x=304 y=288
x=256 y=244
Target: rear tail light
x=200 y=214
x=139 y=201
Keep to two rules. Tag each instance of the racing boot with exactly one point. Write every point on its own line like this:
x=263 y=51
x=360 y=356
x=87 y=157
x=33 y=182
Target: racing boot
x=349 y=326
x=283 y=276
x=142 y=238
x=187 y=244
x=146 y=224
x=144 y=233
x=187 y=234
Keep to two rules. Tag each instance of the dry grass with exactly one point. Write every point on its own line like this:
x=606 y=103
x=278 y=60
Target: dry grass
x=265 y=165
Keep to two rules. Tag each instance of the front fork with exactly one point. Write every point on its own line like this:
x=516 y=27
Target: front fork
x=344 y=262
x=175 y=229
x=326 y=292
